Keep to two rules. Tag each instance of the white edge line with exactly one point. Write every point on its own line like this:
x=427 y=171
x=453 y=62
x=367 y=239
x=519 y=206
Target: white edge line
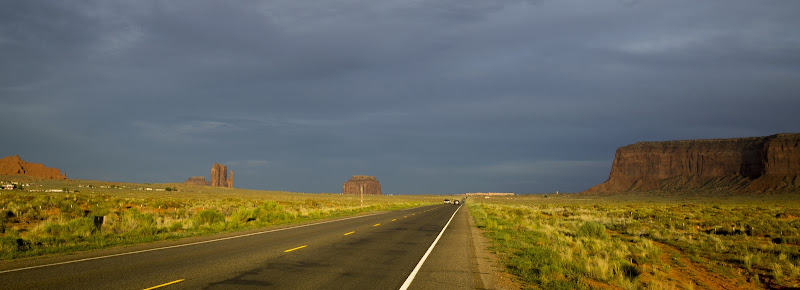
x=410 y=278
x=182 y=245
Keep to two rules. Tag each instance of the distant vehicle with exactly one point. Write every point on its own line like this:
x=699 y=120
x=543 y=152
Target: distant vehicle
x=446 y=201
x=456 y=202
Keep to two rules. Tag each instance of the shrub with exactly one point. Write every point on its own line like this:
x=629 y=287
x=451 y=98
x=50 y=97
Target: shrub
x=147 y=231
x=175 y=227
x=133 y=220
x=4 y=217
x=630 y=271
x=566 y=285
x=592 y=230
x=209 y=217
x=245 y=215
x=13 y=243
x=536 y=264
x=76 y=227
x=70 y=210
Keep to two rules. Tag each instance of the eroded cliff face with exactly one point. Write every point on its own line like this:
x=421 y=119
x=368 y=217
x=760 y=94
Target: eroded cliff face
x=219 y=176
x=369 y=183
x=13 y=165
x=757 y=164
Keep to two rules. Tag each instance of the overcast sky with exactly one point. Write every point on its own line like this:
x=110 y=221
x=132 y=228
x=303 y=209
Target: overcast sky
x=428 y=96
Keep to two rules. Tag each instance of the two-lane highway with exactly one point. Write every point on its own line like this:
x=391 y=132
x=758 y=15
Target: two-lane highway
x=376 y=251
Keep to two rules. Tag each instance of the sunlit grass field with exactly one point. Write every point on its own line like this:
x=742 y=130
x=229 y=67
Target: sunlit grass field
x=656 y=241
x=93 y=214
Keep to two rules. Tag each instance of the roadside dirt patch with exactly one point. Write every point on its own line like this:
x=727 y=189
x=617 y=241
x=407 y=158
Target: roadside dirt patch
x=677 y=271
x=693 y=275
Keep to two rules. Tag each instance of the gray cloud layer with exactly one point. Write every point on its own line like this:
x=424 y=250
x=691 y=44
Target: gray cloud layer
x=430 y=96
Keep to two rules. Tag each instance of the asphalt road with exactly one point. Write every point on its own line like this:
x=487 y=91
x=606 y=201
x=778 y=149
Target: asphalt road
x=366 y=252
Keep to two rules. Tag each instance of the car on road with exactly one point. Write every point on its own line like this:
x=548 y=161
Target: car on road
x=456 y=202
x=446 y=201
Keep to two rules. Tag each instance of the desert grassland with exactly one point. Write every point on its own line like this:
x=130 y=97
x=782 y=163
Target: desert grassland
x=37 y=222
x=654 y=241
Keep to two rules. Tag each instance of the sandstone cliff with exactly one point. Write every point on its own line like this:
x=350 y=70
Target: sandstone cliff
x=13 y=165
x=369 y=183
x=757 y=164
x=197 y=180
x=219 y=176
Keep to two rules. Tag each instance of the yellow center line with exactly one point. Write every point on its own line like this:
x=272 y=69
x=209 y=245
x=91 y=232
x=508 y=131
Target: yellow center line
x=405 y=216
x=375 y=225
x=394 y=219
x=165 y=284
x=300 y=247
x=350 y=233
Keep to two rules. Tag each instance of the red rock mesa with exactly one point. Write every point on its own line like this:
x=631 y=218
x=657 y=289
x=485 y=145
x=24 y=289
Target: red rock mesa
x=13 y=165
x=755 y=164
x=369 y=183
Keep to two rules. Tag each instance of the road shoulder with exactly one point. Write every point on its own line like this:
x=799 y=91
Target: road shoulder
x=449 y=264
x=486 y=264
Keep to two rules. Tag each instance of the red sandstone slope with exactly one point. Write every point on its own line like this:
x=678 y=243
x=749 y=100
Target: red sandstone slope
x=13 y=165
x=757 y=164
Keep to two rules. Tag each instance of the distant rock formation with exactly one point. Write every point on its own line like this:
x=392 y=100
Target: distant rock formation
x=197 y=180
x=13 y=165
x=756 y=164
x=219 y=176
x=370 y=185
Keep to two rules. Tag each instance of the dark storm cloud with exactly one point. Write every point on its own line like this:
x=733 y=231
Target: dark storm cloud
x=430 y=96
